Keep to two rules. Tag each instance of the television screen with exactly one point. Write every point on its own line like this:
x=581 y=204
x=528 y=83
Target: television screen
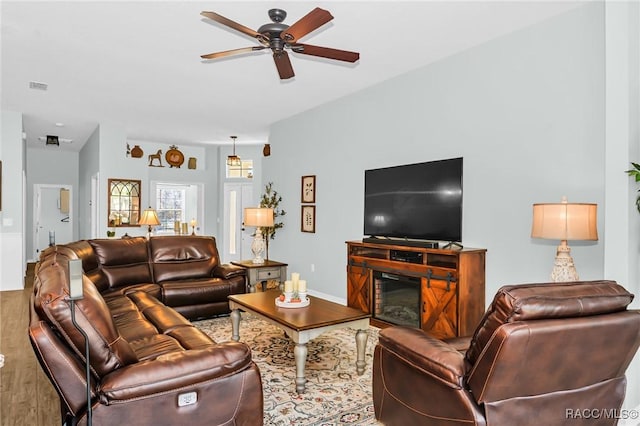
x=416 y=201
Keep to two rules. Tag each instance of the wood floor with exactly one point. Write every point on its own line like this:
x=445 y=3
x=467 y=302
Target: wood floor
x=26 y=396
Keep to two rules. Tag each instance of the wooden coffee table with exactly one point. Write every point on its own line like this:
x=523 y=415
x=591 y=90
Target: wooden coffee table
x=302 y=324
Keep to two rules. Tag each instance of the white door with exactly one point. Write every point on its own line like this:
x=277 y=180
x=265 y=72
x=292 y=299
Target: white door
x=52 y=216
x=237 y=239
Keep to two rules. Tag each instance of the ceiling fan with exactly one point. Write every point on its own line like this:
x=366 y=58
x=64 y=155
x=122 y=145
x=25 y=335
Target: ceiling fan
x=278 y=36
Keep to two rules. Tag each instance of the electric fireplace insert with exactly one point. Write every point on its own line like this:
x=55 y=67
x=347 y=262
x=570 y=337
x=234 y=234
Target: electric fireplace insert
x=397 y=298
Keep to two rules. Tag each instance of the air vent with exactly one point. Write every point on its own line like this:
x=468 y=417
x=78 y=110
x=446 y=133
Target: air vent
x=38 y=85
x=54 y=140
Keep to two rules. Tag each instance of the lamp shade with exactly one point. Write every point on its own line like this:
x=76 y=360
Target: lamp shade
x=565 y=221
x=149 y=217
x=258 y=216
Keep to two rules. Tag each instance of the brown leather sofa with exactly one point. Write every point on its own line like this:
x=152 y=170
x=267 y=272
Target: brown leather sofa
x=148 y=364
x=543 y=354
x=184 y=272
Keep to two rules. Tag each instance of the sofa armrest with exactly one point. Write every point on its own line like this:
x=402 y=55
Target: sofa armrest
x=175 y=371
x=460 y=343
x=226 y=271
x=434 y=356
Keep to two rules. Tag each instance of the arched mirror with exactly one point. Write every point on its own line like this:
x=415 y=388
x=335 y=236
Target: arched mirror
x=124 y=202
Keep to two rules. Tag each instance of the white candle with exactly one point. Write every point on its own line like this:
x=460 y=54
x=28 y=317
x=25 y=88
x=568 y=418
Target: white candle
x=295 y=277
x=302 y=286
x=288 y=286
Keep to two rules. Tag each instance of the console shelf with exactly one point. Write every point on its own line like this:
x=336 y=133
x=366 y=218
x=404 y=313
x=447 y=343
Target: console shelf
x=452 y=283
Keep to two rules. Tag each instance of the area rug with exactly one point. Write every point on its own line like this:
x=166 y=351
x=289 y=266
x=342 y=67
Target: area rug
x=335 y=394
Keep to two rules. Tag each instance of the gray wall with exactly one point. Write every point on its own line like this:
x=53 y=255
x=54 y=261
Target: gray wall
x=526 y=111
x=89 y=165
x=50 y=166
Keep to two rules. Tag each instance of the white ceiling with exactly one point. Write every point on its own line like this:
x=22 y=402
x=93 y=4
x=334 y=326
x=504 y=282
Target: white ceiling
x=137 y=64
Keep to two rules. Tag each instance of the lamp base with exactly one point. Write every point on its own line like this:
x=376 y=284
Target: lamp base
x=563 y=266
x=257 y=247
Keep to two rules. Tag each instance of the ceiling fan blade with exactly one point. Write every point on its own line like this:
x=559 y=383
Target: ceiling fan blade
x=311 y=21
x=283 y=64
x=326 y=52
x=232 y=52
x=234 y=25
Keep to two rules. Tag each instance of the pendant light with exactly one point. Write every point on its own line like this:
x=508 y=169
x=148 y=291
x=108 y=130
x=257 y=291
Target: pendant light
x=234 y=160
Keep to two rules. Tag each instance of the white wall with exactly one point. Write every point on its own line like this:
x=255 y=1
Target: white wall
x=12 y=153
x=526 y=111
x=622 y=221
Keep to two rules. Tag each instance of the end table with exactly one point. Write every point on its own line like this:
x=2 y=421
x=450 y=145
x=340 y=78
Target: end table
x=262 y=272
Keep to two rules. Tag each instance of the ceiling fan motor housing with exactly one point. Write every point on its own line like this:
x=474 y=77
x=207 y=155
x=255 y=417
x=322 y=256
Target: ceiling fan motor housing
x=272 y=31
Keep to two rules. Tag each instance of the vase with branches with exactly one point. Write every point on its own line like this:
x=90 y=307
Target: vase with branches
x=271 y=199
x=635 y=172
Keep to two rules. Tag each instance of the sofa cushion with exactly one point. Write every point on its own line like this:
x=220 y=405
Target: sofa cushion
x=196 y=291
x=182 y=257
x=560 y=300
x=108 y=350
x=124 y=261
x=90 y=267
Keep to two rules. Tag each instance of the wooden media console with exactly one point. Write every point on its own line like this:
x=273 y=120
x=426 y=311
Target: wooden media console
x=444 y=289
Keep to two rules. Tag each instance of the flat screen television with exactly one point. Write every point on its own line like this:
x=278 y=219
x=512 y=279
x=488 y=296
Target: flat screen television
x=420 y=201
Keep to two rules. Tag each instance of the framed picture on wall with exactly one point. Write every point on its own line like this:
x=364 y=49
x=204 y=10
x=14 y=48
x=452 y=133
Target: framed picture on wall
x=309 y=189
x=308 y=219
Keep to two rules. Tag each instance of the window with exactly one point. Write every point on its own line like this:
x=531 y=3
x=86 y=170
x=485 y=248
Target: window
x=170 y=206
x=244 y=170
x=124 y=202
x=177 y=205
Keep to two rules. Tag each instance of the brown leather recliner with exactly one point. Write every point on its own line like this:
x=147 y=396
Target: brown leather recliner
x=543 y=354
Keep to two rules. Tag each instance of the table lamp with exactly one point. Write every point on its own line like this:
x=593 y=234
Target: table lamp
x=150 y=218
x=258 y=217
x=565 y=221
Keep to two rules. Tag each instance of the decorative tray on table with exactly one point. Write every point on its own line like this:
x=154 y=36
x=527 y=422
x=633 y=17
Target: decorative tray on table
x=300 y=304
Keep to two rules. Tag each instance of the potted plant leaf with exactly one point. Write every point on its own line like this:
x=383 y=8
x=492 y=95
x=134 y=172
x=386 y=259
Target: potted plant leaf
x=271 y=199
x=635 y=172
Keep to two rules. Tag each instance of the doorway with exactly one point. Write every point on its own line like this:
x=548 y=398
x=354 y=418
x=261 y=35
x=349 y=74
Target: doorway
x=237 y=239
x=52 y=219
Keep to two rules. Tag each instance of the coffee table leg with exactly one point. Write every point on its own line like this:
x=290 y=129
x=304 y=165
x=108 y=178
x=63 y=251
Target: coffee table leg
x=300 y=354
x=235 y=325
x=361 y=344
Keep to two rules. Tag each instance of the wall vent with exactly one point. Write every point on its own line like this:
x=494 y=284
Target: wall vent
x=38 y=85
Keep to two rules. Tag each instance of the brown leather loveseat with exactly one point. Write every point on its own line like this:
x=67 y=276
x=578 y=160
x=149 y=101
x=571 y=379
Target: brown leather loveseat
x=148 y=364
x=544 y=354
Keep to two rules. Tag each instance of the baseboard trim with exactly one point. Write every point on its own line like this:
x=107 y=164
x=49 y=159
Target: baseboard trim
x=329 y=297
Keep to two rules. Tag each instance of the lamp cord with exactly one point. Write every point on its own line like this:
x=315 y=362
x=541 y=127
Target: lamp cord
x=72 y=305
